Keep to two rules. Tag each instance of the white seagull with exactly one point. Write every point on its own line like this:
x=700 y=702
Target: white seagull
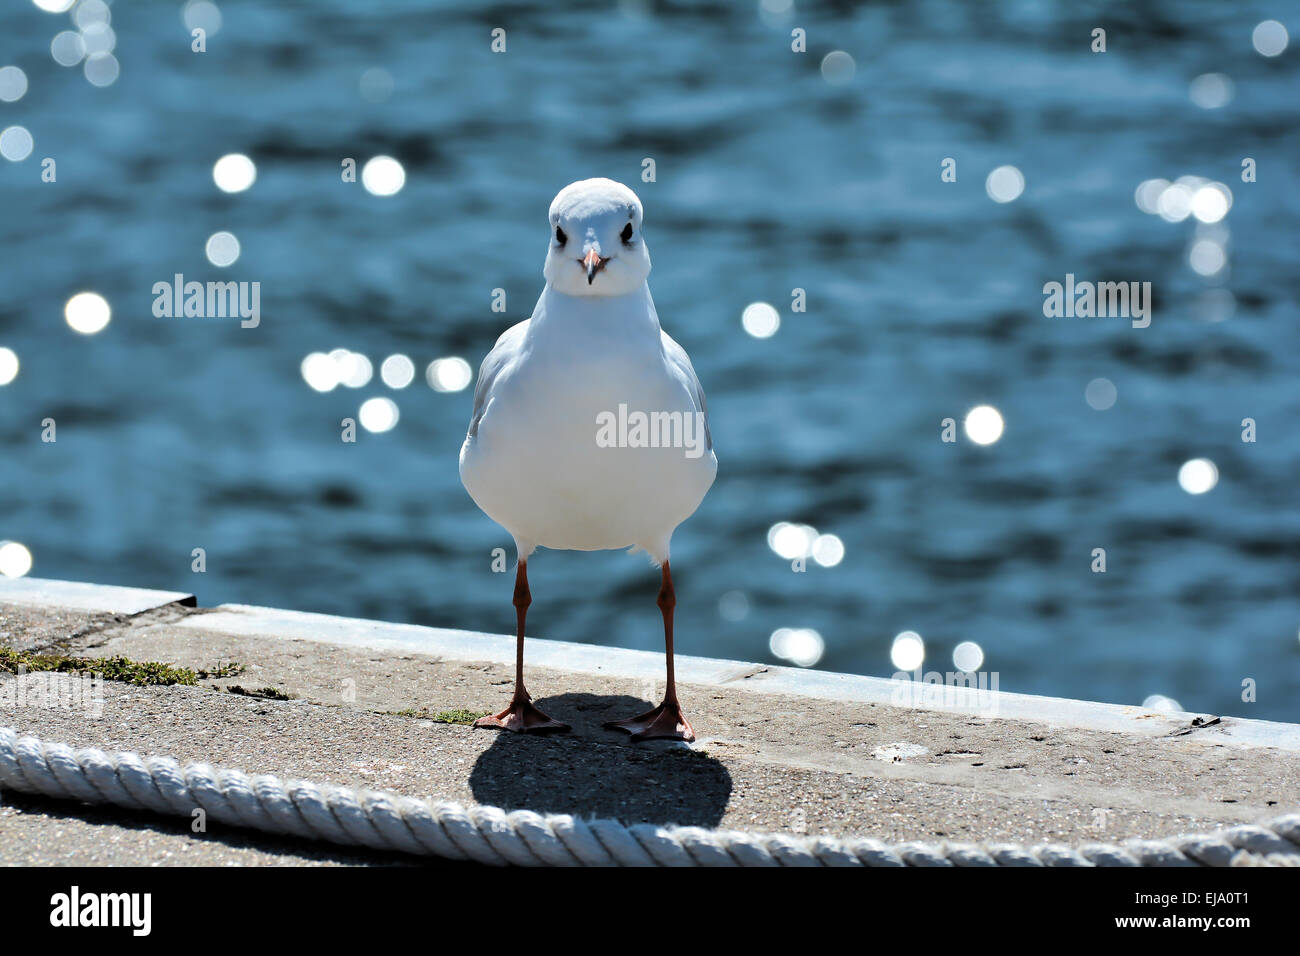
x=589 y=429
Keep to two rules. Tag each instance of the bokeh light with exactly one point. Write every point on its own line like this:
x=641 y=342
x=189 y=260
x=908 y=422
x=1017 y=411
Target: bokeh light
x=1207 y=257
x=8 y=365
x=1198 y=476
x=1147 y=195
x=67 y=48
x=827 y=550
x=397 y=371
x=87 y=313
x=354 y=369
x=791 y=541
x=983 y=424
x=733 y=606
x=16 y=144
x=968 y=656
x=13 y=84
x=320 y=372
x=907 y=653
x=1269 y=38
x=1162 y=704
x=1210 y=91
x=54 y=6
x=98 y=38
x=91 y=13
x=15 y=559
x=1100 y=394
x=101 y=69
x=449 y=374
x=838 y=68
x=760 y=320
x=202 y=15
x=222 y=249
x=801 y=646
x=383 y=176
x=234 y=172
x=376 y=85
x=378 y=414
x=1005 y=184
x=1211 y=203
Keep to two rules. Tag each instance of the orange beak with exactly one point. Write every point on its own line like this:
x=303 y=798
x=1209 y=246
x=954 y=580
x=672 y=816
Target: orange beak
x=594 y=263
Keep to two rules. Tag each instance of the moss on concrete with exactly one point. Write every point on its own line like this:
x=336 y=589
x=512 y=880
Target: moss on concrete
x=441 y=716
x=266 y=693
x=140 y=673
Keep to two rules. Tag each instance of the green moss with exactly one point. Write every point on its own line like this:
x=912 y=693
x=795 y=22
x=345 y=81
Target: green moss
x=442 y=716
x=140 y=673
x=266 y=693
x=222 y=670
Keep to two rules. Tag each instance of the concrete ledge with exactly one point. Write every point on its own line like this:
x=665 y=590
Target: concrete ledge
x=452 y=645
x=376 y=705
x=93 y=598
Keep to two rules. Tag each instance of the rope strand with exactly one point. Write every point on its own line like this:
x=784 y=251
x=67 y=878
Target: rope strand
x=490 y=835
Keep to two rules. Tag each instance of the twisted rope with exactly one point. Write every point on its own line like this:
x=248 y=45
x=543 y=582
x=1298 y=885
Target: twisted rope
x=389 y=821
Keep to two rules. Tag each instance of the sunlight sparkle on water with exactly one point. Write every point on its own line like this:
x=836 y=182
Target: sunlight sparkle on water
x=907 y=652
x=760 y=320
x=1269 y=38
x=983 y=424
x=1100 y=394
x=234 y=172
x=397 y=371
x=320 y=372
x=801 y=646
x=13 y=84
x=15 y=559
x=1198 y=476
x=222 y=249
x=449 y=374
x=968 y=656
x=1005 y=184
x=87 y=313
x=378 y=414
x=8 y=365
x=383 y=176
x=16 y=144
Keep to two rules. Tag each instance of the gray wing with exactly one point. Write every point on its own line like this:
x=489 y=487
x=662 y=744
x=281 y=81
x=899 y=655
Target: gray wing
x=680 y=363
x=506 y=348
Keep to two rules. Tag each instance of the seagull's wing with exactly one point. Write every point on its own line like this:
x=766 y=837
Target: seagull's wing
x=506 y=348
x=680 y=364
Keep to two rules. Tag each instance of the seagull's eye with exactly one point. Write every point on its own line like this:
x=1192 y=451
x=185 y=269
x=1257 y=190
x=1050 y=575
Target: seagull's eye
x=560 y=237
x=626 y=234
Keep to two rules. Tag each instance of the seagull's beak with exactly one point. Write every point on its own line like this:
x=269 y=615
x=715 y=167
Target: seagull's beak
x=594 y=263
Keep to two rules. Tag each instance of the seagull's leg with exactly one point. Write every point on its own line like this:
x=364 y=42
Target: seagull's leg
x=666 y=720
x=521 y=715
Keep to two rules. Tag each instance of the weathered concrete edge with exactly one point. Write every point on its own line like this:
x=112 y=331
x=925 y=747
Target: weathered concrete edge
x=442 y=643
x=93 y=598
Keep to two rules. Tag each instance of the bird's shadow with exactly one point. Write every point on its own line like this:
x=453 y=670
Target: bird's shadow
x=592 y=772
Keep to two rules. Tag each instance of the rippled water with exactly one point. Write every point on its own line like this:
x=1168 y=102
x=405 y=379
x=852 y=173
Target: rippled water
x=924 y=300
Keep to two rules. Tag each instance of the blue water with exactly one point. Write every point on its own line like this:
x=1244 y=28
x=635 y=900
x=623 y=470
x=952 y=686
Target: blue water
x=924 y=300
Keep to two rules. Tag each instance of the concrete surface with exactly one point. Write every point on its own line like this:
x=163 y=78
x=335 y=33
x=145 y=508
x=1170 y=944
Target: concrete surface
x=768 y=758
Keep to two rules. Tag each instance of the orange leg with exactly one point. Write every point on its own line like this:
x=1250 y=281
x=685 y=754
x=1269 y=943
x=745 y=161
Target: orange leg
x=666 y=720
x=521 y=715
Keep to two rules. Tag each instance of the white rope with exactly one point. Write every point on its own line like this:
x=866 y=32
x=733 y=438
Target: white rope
x=388 y=821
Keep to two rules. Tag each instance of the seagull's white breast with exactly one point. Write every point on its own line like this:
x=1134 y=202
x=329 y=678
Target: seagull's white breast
x=552 y=458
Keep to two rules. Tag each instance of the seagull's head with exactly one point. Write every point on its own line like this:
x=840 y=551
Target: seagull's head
x=596 y=246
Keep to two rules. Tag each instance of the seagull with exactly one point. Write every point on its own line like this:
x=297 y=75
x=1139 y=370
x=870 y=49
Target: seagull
x=590 y=430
